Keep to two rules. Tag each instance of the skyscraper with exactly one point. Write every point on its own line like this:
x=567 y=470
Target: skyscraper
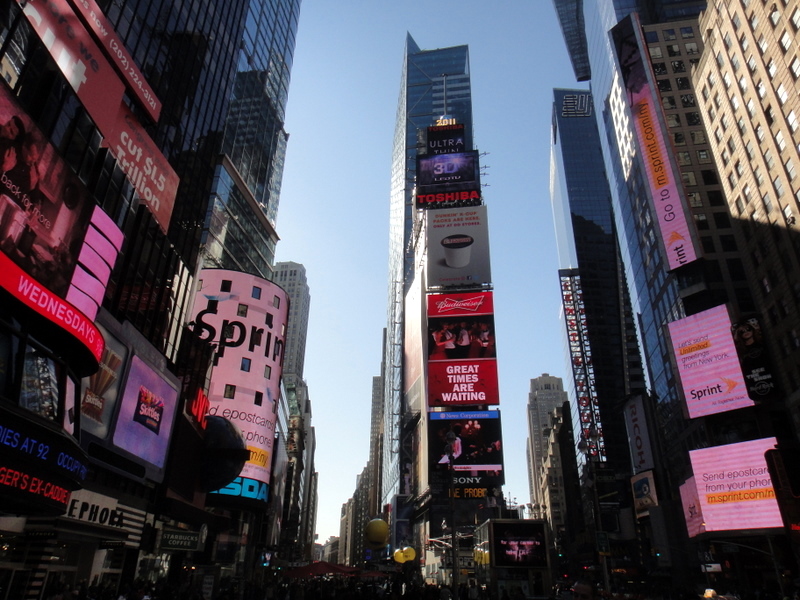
x=547 y=393
x=433 y=83
x=291 y=276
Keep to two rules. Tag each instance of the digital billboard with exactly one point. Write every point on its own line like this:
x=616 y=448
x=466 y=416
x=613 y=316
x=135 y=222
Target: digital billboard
x=734 y=488
x=520 y=544
x=102 y=389
x=458 y=247
x=644 y=493
x=692 y=513
x=100 y=90
x=245 y=317
x=661 y=175
x=707 y=363
x=447 y=179
x=757 y=368
x=462 y=363
x=446 y=139
x=146 y=414
x=475 y=440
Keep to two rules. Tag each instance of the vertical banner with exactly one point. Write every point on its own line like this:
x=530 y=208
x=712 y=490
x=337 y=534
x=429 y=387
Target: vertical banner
x=638 y=435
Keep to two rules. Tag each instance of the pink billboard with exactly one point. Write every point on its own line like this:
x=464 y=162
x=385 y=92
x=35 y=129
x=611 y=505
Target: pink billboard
x=245 y=317
x=692 y=513
x=734 y=487
x=661 y=175
x=708 y=365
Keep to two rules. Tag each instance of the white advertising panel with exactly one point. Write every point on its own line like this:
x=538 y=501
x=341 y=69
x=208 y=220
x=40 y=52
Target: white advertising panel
x=458 y=247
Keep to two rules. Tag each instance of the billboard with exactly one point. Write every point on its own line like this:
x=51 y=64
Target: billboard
x=146 y=414
x=692 y=512
x=462 y=363
x=476 y=445
x=446 y=139
x=101 y=391
x=707 y=363
x=638 y=435
x=447 y=179
x=458 y=247
x=644 y=493
x=100 y=90
x=115 y=50
x=754 y=359
x=518 y=544
x=246 y=317
x=656 y=158
x=734 y=488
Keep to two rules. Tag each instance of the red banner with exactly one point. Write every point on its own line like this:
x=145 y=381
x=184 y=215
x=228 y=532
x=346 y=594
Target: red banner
x=111 y=43
x=31 y=293
x=463 y=383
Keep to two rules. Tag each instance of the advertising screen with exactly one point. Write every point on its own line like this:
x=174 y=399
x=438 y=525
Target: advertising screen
x=692 y=513
x=462 y=364
x=656 y=157
x=458 y=247
x=475 y=440
x=519 y=544
x=446 y=139
x=246 y=317
x=644 y=493
x=707 y=363
x=146 y=414
x=445 y=179
x=101 y=390
x=734 y=487
x=757 y=368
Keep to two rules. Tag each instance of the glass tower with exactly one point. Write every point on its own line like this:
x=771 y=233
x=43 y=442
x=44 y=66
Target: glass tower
x=433 y=83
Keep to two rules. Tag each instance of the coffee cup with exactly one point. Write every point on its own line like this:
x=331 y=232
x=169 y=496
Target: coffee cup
x=457 y=250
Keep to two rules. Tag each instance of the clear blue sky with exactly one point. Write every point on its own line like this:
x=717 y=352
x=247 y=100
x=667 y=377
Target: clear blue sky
x=334 y=206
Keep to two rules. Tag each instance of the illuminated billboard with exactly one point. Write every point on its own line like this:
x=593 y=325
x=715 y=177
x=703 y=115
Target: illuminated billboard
x=448 y=179
x=521 y=544
x=474 y=438
x=102 y=389
x=644 y=493
x=146 y=414
x=446 y=139
x=245 y=317
x=100 y=90
x=754 y=359
x=692 y=513
x=734 y=487
x=707 y=363
x=661 y=174
x=462 y=363
x=458 y=247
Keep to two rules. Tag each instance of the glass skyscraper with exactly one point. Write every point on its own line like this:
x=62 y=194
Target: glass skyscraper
x=433 y=83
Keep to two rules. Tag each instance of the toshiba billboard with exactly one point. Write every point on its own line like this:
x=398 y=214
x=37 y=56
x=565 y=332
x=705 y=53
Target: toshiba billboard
x=245 y=317
x=462 y=363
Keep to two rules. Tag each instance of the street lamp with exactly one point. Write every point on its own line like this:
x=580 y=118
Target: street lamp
x=449 y=449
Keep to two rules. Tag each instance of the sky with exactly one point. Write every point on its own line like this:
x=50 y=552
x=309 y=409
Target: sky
x=334 y=207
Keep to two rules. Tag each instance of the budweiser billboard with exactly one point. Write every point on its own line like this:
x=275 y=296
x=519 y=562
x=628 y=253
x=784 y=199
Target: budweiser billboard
x=246 y=317
x=462 y=363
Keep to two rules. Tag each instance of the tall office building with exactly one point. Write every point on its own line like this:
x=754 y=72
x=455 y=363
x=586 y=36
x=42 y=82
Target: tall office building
x=433 y=83
x=291 y=276
x=547 y=393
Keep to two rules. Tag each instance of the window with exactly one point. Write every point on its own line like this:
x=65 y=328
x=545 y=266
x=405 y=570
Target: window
x=655 y=52
x=778 y=187
x=230 y=390
x=748 y=146
x=796 y=18
x=786 y=41
x=259 y=398
x=225 y=286
x=759 y=132
x=668 y=102
x=673 y=50
x=245 y=365
x=783 y=95
x=743 y=83
x=711 y=80
x=664 y=85
x=771 y=68
x=703 y=156
x=683 y=83
x=693 y=119
x=795 y=66
x=720 y=58
x=678 y=66
x=768 y=206
x=687 y=32
x=735 y=102
x=679 y=139
x=775 y=15
x=689 y=179
x=791 y=118
x=726 y=79
x=691 y=48
x=751 y=63
x=744 y=43
x=737 y=22
x=739 y=204
x=276 y=301
x=769 y=159
x=735 y=62
x=256 y=293
x=728 y=243
x=212 y=306
x=762 y=43
x=684 y=159
x=669 y=34
x=673 y=121
x=751 y=107
x=698 y=137
x=758 y=176
x=761 y=89
x=739 y=168
x=701 y=221
x=780 y=141
x=651 y=37
x=790 y=171
x=789 y=215
x=241 y=310
x=741 y=124
x=754 y=22
x=660 y=69
x=732 y=181
x=267 y=372
x=728 y=44
x=695 y=199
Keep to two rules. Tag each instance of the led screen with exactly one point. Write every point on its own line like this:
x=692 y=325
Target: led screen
x=734 y=487
x=707 y=363
x=519 y=544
